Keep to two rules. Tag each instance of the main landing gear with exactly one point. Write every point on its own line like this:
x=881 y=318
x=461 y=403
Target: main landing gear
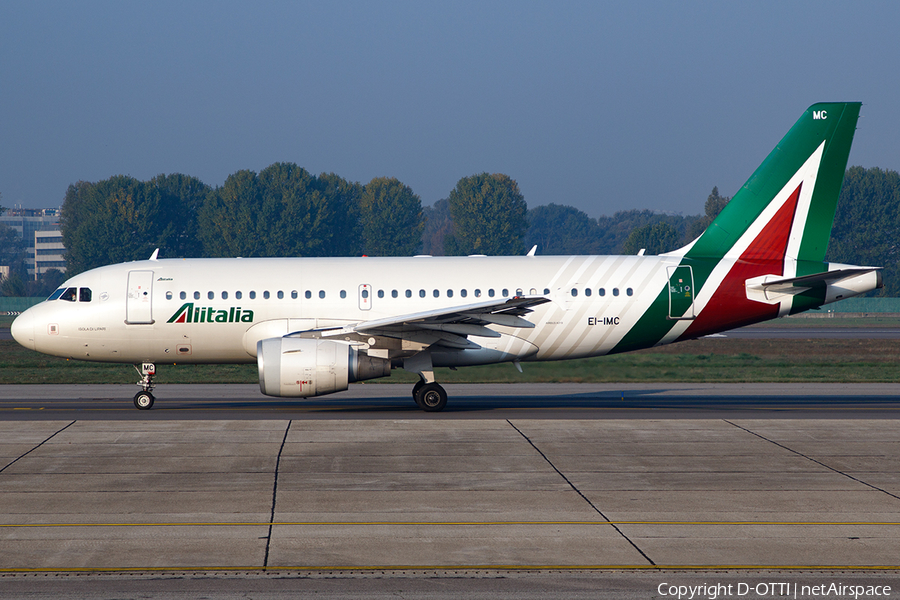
x=143 y=400
x=430 y=397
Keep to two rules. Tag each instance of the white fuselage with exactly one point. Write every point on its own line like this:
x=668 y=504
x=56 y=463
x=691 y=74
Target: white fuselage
x=137 y=311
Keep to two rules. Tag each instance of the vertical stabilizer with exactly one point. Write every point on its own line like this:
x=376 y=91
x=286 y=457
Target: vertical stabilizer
x=786 y=208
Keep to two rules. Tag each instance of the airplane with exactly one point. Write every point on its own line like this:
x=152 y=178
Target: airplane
x=315 y=325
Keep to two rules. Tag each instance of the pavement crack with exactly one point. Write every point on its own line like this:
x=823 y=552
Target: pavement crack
x=818 y=462
x=580 y=493
x=36 y=447
x=275 y=494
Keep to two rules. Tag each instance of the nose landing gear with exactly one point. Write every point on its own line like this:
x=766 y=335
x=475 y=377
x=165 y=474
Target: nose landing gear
x=143 y=400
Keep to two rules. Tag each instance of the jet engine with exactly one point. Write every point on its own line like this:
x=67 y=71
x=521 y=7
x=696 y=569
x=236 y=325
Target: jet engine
x=303 y=367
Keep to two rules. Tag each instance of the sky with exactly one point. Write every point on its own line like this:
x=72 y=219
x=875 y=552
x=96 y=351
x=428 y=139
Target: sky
x=604 y=106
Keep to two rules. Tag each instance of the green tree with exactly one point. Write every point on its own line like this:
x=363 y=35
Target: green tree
x=438 y=226
x=116 y=220
x=230 y=221
x=284 y=211
x=714 y=205
x=655 y=238
x=181 y=197
x=342 y=227
x=557 y=229
x=489 y=216
x=45 y=284
x=12 y=248
x=390 y=218
x=867 y=224
x=13 y=286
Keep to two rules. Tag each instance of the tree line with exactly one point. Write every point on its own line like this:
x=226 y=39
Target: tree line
x=284 y=210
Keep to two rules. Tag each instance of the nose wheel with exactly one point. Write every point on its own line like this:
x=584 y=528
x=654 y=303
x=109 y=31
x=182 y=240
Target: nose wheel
x=143 y=400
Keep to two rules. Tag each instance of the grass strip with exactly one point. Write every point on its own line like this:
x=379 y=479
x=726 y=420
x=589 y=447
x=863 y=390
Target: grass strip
x=709 y=360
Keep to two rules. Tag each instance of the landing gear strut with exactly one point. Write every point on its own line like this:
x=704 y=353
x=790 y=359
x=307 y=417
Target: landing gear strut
x=143 y=400
x=427 y=393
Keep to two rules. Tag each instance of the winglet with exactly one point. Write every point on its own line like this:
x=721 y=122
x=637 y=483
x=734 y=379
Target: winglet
x=155 y=254
x=533 y=250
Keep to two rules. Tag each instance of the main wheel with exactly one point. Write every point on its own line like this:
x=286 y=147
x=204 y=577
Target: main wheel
x=431 y=397
x=143 y=400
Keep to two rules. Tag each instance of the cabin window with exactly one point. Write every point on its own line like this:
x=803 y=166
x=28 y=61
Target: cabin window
x=463 y=292
x=266 y=295
x=574 y=292
x=168 y=295
x=294 y=294
x=409 y=293
x=491 y=292
x=307 y=294
x=477 y=293
x=615 y=291
x=630 y=292
x=381 y=293
x=394 y=293
x=505 y=292
x=587 y=291
x=546 y=291
x=84 y=295
x=237 y=295
x=519 y=292
x=364 y=294
x=322 y=294
x=280 y=295
x=602 y=291
x=449 y=293
x=224 y=295
x=436 y=294
x=343 y=294
x=69 y=295
x=253 y=295
x=421 y=293
x=196 y=295
x=183 y=295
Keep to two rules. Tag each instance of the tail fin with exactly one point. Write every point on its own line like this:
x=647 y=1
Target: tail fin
x=786 y=209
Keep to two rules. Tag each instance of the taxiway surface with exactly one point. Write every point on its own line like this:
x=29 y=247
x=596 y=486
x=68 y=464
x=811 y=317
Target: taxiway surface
x=467 y=401
x=528 y=491
x=368 y=487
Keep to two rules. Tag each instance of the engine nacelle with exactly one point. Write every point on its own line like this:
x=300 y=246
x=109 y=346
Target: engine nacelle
x=302 y=367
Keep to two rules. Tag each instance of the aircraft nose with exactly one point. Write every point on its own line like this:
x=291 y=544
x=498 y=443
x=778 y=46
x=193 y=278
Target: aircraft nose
x=22 y=329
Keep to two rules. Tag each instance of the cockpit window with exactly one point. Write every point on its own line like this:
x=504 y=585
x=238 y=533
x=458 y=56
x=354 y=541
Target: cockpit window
x=55 y=295
x=69 y=295
x=84 y=294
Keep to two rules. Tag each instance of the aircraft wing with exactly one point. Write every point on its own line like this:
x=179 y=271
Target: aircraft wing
x=446 y=326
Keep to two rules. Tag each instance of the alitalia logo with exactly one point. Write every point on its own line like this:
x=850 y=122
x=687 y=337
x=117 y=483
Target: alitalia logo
x=188 y=313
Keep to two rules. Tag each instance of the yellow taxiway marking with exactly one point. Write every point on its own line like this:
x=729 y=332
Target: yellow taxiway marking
x=461 y=567
x=457 y=523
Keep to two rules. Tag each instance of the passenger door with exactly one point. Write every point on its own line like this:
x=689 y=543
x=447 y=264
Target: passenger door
x=139 y=303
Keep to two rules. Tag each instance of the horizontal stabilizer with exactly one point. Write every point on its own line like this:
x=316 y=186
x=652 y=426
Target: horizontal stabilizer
x=786 y=286
x=772 y=288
